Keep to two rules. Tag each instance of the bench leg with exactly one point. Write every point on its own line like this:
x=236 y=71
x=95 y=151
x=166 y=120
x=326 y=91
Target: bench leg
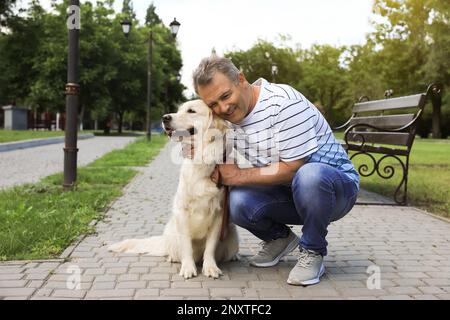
x=386 y=172
x=402 y=199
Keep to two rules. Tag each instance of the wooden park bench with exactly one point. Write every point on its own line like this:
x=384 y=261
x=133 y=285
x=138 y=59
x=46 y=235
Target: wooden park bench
x=386 y=127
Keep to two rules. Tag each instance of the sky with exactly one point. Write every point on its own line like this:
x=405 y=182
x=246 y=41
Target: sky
x=238 y=24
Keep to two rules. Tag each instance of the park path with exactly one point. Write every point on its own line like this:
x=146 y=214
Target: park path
x=32 y=164
x=409 y=248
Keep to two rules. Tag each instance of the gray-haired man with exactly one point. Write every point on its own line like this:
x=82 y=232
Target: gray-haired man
x=301 y=174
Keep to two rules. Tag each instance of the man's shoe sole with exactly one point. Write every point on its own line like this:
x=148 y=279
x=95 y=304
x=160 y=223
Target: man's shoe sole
x=308 y=282
x=291 y=246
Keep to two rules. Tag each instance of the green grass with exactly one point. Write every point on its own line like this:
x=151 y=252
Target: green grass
x=131 y=156
x=428 y=180
x=19 y=135
x=38 y=221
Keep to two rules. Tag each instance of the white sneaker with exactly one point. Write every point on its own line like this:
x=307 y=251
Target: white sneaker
x=308 y=270
x=272 y=251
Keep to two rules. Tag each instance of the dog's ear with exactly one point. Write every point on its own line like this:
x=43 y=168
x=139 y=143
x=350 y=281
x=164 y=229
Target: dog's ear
x=219 y=123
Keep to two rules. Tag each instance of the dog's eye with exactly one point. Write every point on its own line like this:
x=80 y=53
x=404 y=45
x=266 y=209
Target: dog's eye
x=191 y=111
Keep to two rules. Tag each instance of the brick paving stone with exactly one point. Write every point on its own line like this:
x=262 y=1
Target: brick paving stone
x=437 y=282
x=409 y=282
x=273 y=293
x=156 y=276
x=312 y=292
x=158 y=284
x=396 y=297
x=185 y=292
x=139 y=270
x=116 y=293
x=425 y=297
x=226 y=292
x=132 y=285
x=403 y=290
x=145 y=293
x=78 y=294
x=186 y=284
x=12 y=292
x=13 y=283
x=104 y=285
x=12 y=276
x=107 y=278
x=225 y=284
x=265 y=284
x=128 y=277
x=431 y=290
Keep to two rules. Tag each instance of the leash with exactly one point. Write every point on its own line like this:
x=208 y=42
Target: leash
x=226 y=209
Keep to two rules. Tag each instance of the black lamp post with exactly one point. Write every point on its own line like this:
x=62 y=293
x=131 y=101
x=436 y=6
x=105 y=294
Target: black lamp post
x=126 y=26
x=72 y=98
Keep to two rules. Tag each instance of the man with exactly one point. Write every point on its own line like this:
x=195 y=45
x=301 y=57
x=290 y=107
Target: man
x=300 y=174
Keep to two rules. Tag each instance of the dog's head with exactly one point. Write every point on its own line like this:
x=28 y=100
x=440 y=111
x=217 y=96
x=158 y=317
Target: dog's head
x=193 y=117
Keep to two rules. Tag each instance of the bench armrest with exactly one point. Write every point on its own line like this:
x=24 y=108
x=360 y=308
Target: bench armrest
x=343 y=126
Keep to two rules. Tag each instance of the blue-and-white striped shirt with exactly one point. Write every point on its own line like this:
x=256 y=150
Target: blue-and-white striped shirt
x=285 y=126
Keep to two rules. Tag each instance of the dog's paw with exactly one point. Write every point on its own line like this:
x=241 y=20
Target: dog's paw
x=188 y=270
x=211 y=271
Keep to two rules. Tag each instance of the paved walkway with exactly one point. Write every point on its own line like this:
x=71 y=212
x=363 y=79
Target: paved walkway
x=410 y=249
x=32 y=164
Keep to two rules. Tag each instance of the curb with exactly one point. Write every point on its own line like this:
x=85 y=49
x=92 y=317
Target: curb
x=10 y=146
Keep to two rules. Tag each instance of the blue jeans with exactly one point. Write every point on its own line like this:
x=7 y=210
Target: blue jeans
x=318 y=195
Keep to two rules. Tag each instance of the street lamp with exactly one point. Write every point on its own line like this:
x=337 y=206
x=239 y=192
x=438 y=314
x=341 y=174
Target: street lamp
x=72 y=97
x=126 y=26
x=174 y=26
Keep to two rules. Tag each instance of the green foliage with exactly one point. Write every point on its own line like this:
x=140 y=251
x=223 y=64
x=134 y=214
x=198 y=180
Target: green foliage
x=5 y=11
x=112 y=67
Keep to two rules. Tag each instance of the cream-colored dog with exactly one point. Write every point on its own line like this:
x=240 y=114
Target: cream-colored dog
x=192 y=232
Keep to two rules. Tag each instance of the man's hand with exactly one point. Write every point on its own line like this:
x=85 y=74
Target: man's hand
x=225 y=174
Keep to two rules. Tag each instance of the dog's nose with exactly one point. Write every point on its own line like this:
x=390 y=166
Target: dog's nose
x=167 y=118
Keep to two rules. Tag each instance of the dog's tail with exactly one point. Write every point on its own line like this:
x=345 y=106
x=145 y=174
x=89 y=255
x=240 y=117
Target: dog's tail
x=154 y=246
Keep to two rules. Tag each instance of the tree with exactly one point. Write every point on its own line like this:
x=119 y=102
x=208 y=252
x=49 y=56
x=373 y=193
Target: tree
x=5 y=11
x=437 y=66
x=317 y=72
x=325 y=80
x=113 y=68
x=151 y=17
x=22 y=40
x=414 y=38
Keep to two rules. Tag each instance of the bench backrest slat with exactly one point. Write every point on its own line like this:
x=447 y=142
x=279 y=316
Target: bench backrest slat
x=416 y=100
x=393 y=138
x=385 y=122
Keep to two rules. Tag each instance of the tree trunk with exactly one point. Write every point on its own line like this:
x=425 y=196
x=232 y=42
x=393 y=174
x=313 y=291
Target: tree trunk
x=436 y=119
x=120 y=122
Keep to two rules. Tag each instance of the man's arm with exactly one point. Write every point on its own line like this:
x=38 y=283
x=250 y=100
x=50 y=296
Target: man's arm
x=277 y=173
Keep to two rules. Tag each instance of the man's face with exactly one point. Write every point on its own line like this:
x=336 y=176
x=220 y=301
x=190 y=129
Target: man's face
x=226 y=99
